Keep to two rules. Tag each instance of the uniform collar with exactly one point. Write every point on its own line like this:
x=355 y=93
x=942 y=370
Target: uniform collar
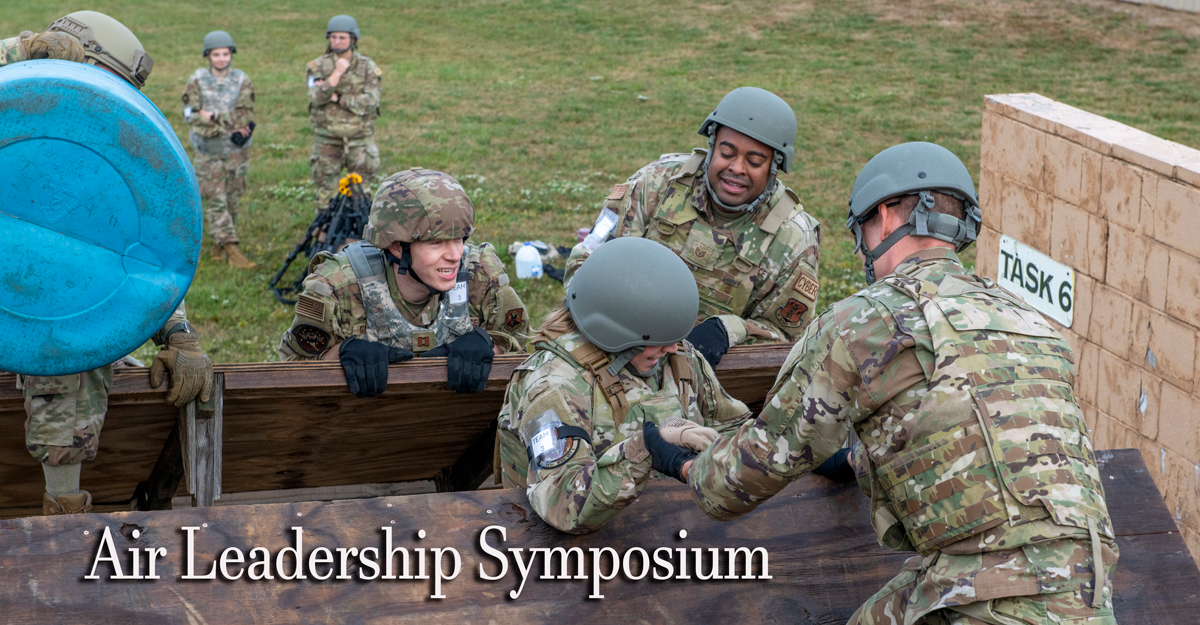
x=930 y=256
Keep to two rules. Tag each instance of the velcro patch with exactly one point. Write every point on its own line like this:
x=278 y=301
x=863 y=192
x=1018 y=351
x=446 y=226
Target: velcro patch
x=423 y=340
x=618 y=192
x=311 y=339
x=310 y=307
x=793 y=311
x=514 y=318
x=807 y=286
x=378 y=72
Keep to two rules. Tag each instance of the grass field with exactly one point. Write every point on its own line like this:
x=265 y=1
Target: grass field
x=539 y=107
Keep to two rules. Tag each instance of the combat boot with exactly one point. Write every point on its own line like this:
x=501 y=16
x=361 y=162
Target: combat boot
x=235 y=257
x=217 y=252
x=78 y=503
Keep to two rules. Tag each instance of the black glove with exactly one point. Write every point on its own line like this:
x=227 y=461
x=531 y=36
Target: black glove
x=837 y=467
x=710 y=339
x=239 y=138
x=366 y=365
x=665 y=458
x=469 y=361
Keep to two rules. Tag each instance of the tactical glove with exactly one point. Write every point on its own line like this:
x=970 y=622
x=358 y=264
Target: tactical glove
x=469 y=361
x=366 y=365
x=665 y=458
x=190 y=369
x=837 y=467
x=689 y=434
x=240 y=138
x=52 y=45
x=710 y=339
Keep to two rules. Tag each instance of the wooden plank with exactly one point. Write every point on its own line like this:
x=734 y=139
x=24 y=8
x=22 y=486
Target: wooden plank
x=823 y=560
x=294 y=425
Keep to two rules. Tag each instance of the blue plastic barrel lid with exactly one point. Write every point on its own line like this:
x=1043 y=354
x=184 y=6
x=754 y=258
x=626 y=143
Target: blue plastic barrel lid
x=101 y=216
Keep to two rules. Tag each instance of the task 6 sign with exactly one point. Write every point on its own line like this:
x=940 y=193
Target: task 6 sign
x=1044 y=283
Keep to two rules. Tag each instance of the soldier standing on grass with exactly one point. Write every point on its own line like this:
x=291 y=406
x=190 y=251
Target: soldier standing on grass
x=974 y=451
x=413 y=285
x=66 y=412
x=344 y=88
x=218 y=105
x=748 y=242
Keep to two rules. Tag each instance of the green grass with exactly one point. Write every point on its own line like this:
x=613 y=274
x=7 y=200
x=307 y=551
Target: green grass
x=538 y=107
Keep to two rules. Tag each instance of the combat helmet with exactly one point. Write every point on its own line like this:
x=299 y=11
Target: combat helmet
x=632 y=293
x=759 y=114
x=218 y=39
x=343 y=24
x=108 y=42
x=915 y=168
x=418 y=205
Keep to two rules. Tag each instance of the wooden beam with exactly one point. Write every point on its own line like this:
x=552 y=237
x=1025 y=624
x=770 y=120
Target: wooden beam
x=291 y=425
x=823 y=560
x=200 y=428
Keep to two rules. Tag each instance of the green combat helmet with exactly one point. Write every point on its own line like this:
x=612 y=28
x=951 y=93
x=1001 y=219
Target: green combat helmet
x=758 y=114
x=632 y=293
x=218 y=39
x=343 y=24
x=914 y=169
x=107 y=42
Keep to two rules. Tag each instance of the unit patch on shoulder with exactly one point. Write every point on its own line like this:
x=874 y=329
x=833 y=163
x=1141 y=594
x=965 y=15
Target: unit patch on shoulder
x=793 y=311
x=311 y=339
x=513 y=318
x=618 y=192
x=807 y=286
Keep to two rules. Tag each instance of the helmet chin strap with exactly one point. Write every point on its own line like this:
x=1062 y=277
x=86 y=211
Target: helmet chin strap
x=620 y=360
x=404 y=265
x=741 y=208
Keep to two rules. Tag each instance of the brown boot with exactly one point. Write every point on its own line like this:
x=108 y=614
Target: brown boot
x=235 y=257
x=217 y=253
x=79 y=503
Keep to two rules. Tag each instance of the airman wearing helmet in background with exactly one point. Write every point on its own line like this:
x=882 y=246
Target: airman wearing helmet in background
x=344 y=89
x=973 y=449
x=218 y=105
x=612 y=358
x=751 y=248
x=412 y=286
x=66 y=412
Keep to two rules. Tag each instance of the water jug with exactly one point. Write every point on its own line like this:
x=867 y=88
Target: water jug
x=529 y=262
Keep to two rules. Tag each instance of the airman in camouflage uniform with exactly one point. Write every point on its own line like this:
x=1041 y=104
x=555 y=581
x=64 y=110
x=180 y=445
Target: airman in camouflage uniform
x=604 y=466
x=65 y=413
x=218 y=105
x=392 y=299
x=755 y=263
x=973 y=449
x=344 y=89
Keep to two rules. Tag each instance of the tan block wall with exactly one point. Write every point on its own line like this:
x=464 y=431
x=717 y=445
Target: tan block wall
x=1122 y=207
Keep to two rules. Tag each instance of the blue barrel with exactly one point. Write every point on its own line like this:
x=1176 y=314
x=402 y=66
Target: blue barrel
x=101 y=218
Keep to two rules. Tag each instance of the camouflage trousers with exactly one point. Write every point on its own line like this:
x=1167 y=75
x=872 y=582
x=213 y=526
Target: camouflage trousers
x=1049 y=582
x=222 y=181
x=358 y=156
x=65 y=414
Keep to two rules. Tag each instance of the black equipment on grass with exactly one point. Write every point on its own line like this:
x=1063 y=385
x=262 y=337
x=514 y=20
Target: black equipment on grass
x=341 y=223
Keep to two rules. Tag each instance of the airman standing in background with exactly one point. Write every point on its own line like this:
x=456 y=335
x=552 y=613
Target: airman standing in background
x=344 y=88
x=218 y=105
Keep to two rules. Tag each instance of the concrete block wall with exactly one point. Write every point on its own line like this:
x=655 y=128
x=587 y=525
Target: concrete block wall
x=1122 y=207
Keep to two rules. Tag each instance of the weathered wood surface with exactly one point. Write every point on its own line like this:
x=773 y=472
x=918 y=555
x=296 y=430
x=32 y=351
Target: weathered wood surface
x=294 y=425
x=823 y=560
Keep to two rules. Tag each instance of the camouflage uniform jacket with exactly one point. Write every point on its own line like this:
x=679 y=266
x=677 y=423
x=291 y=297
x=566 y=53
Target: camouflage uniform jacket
x=359 y=91
x=11 y=51
x=971 y=439
x=594 y=482
x=231 y=99
x=758 y=273
x=330 y=309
